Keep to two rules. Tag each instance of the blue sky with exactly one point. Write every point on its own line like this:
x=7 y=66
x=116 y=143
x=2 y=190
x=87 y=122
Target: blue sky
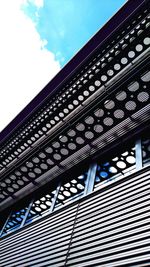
x=38 y=37
x=68 y=24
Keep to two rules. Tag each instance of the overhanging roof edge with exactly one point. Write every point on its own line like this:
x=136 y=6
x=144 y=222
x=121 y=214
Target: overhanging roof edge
x=123 y=13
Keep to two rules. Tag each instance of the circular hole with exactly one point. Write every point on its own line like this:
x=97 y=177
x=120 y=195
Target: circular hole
x=91 y=88
x=131 y=54
x=99 y=113
x=67 y=185
x=143 y=96
x=130 y=159
x=56 y=145
x=66 y=193
x=29 y=164
x=117 y=66
x=81 y=98
x=43 y=206
x=61 y=197
x=70 y=106
x=124 y=60
x=125 y=154
x=89 y=135
x=38 y=209
x=97 y=83
x=75 y=102
x=110 y=72
x=133 y=87
x=119 y=114
x=112 y=170
x=121 y=95
x=24 y=169
x=130 y=105
x=48 y=150
x=57 y=156
x=71 y=133
x=64 y=139
x=37 y=170
x=109 y=104
x=10 y=189
x=73 y=190
x=86 y=93
x=31 y=174
x=97 y=179
x=103 y=174
x=48 y=203
x=15 y=186
x=146 y=77
x=81 y=177
x=18 y=173
x=64 y=151
x=121 y=165
x=42 y=155
x=89 y=120
x=49 y=162
x=80 y=140
x=139 y=48
x=20 y=182
x=3 y=184
x=146 y=41
x=71 y=146
x=80 y=186
x=98 y=128
x=44 y=166
x=104 y=78
x=108 y=121
x=80 y=127
x=36 y=160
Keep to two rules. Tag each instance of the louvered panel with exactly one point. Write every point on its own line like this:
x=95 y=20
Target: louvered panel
x=112 y=226
x=44 y=243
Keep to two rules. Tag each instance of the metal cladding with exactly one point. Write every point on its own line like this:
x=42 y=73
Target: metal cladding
x=81 y=160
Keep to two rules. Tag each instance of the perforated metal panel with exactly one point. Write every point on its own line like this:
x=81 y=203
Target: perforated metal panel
x=107 y=228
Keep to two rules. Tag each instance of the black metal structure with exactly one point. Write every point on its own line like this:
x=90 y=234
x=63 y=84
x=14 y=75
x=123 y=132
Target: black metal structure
x=75 y=164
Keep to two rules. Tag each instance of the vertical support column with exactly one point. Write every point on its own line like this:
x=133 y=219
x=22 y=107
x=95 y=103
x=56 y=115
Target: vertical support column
x=90 y=179
x=55 y=197
x=1 y=233
x=138 y=154
x=26 y=214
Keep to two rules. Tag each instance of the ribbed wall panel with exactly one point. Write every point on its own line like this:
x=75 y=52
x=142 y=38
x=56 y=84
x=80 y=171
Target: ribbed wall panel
x=107 y=228
x=112 y=226
x=45 y=243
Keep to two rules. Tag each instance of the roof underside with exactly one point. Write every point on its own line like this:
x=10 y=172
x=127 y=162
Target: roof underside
x=104 y=100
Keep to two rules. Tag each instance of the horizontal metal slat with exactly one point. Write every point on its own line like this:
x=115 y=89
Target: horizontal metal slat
x=123 y=231
x=52 y=237
x=51 y=220
x=113 y=262
x=37 y=231
x=101 y=258
x=107 y=211
x=108 y=204
x=108 y=249
x=110 y=197
x=122 y=220
x=124 y=183
x=103 y=243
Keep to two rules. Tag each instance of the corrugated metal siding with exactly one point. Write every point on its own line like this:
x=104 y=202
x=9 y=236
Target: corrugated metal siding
x=108 y=228
x=44 y=243
x=112 y=226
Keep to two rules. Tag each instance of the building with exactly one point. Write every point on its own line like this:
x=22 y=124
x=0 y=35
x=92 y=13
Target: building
x=75 y=163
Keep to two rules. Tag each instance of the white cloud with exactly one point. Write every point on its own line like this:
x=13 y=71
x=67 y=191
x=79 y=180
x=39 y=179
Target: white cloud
x=26 y=66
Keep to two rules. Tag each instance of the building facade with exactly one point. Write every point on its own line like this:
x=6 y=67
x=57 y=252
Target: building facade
x=75 y=163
